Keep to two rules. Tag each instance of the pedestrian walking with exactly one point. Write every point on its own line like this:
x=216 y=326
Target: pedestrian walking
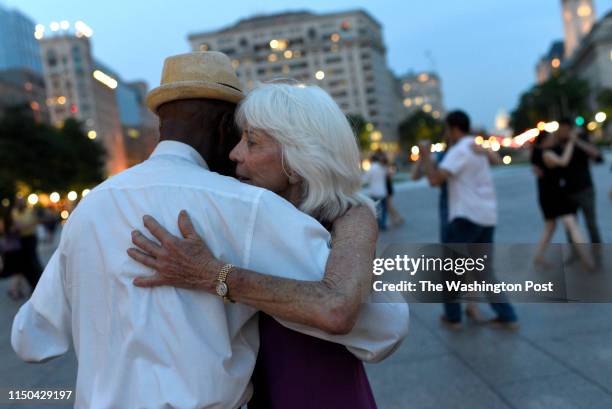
x=376 y=180
x=396 y=218
x=25 y=223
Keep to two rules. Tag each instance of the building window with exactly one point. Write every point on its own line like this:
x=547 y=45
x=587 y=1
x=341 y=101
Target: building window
x=76 y=52
x=228 y=51
x=333 y=60
x=51 y=58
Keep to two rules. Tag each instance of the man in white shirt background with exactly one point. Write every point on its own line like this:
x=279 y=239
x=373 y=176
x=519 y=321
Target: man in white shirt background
x=472 y=206
x=169 y=347
x=376 y=180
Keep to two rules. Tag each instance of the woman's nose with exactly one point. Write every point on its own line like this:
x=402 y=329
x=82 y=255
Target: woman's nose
x=236 y=153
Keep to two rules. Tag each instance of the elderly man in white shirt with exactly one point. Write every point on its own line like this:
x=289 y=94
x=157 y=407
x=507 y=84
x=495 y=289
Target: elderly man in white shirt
x=169 y=347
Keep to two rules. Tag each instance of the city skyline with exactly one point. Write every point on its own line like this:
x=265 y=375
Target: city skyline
x=488 y=47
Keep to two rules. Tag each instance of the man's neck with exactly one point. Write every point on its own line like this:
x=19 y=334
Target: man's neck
x=187 y=141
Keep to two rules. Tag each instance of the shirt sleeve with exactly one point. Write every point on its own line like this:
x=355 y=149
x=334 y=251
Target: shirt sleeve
x=288 y=243
x=42 y=327
x=455 y=159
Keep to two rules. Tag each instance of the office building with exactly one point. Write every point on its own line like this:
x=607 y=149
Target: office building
x=578 y=19
x=19 y=49
x=78 y=88
x=344 y=53
x=421 y=91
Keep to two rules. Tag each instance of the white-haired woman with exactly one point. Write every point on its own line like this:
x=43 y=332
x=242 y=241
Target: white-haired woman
x=297 y=143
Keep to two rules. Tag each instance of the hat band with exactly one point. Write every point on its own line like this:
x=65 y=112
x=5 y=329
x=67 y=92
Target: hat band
x=227 y=85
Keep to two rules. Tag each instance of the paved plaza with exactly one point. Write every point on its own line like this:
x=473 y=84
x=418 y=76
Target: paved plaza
x=561 y=357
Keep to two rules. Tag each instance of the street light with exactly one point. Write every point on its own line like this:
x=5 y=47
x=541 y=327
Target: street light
x=600 y=117
x=54 y=197
x=33 y=199
x=72 y=196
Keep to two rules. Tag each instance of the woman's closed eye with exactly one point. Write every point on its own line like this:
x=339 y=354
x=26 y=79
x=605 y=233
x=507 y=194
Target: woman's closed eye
x=249 y=138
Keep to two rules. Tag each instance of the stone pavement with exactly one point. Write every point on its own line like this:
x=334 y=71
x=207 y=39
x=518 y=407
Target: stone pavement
x=561 y=358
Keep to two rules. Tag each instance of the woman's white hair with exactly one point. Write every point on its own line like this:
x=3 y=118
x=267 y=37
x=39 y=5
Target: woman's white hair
x=317 y=144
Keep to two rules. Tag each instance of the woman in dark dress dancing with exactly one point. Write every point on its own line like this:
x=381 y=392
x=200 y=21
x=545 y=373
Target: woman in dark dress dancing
x=555 y=202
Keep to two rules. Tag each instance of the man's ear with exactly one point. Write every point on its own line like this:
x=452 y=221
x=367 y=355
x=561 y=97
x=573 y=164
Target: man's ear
x=228 y=137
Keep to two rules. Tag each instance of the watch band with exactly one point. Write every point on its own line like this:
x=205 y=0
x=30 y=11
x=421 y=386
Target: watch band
x=222 y=278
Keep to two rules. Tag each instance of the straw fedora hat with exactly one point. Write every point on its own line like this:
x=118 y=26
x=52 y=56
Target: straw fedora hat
x=204 y=74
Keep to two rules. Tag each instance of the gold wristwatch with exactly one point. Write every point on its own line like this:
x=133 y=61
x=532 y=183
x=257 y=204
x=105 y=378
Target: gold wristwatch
x=222 y=288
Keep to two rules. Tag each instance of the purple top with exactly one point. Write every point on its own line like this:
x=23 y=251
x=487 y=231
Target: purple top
x=298 y=371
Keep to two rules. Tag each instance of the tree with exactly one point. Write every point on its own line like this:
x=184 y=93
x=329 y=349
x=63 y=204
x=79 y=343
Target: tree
x=88 y=165
x=361 y=131
x=45 y=158
x=562 y=95
x=604 y=101
x=418 y=127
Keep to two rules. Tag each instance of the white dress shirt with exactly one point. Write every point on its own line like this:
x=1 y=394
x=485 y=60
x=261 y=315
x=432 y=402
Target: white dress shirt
x=471 y=192
x=167 y=347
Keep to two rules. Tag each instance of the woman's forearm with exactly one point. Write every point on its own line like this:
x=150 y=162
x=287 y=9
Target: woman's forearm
x=567 y=153
x=552 y=160
x=318 y=304
x=331 y=304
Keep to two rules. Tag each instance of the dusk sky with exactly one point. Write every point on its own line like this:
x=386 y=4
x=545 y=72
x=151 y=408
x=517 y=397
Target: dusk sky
x=484 y=50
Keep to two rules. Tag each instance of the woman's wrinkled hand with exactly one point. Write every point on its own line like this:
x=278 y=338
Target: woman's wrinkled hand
x=179 y=262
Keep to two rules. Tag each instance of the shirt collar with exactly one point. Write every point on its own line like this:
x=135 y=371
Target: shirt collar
x=181 y=150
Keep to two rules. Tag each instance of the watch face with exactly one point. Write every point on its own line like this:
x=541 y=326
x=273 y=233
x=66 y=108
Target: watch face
x=221 y=289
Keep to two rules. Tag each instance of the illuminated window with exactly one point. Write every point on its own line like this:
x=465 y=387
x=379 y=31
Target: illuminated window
x=584 y=10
